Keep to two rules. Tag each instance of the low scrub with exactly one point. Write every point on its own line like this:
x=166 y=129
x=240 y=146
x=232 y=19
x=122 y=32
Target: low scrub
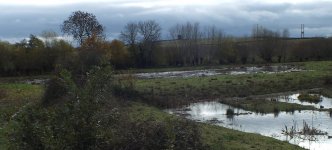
x=311 y=98
x=91 y=117
x=56 y=89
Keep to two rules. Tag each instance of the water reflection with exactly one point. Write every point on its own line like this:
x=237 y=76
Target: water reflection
x=264 y=124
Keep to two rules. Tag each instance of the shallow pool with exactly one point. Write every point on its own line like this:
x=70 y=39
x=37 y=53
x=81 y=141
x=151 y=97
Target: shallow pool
x=265 y=124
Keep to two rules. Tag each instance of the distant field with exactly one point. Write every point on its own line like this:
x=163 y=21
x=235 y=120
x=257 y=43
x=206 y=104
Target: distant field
x=197 y=88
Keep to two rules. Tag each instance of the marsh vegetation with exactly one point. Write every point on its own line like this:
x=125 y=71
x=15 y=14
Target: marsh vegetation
x=311 y=98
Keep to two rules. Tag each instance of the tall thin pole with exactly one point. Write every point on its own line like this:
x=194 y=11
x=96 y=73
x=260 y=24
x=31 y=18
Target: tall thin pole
x=302 y=30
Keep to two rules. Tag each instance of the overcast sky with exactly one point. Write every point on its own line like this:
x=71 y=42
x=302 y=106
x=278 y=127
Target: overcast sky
x=20 y=18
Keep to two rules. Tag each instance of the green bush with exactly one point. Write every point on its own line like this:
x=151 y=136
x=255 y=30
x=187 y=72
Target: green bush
x=56 y=90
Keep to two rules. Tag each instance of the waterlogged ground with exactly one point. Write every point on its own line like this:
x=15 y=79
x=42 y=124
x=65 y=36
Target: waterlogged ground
x=224 y=71
x=265 y=124
x=325 y=102
x=34 y=80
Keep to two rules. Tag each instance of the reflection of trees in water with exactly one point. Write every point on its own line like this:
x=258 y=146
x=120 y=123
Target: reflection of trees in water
x=276 y=113
x=230 y=113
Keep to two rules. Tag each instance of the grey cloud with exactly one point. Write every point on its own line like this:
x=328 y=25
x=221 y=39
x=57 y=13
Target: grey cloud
x=236 y=18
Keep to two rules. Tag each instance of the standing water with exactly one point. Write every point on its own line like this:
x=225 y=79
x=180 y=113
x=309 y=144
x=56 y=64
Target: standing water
x=224 y=71
x=270 y=125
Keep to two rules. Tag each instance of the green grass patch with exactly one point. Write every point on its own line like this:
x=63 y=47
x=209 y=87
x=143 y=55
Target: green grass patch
x=222 y=138
x=18 y=94
x=14 y=96
x=265 y=106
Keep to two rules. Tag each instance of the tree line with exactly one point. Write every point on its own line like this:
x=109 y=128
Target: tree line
x=140 y=45
x=192 y=45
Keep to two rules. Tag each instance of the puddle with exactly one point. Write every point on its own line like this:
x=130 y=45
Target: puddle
x=36 y=81
x=224 y=71
x=265 y=124
x=293 y=98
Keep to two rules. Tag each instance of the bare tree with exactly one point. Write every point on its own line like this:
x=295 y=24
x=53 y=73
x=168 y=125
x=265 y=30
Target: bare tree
x=141 y=38
x=130 y=36
x=82 y=25
x=267 y=42
x=130 y=33
x=150 y=32
x=213 y=37
x=188 y=44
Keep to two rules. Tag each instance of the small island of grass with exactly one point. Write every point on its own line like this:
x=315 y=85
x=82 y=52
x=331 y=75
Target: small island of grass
x=311 y=98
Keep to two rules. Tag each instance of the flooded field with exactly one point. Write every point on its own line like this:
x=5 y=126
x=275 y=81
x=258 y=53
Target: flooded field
x=271 y=125
x=224 y=71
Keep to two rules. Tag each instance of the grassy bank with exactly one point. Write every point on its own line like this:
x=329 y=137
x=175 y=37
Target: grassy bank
x=13 y=96
x=265 y=106
x=215 y=137
x=170 y=92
